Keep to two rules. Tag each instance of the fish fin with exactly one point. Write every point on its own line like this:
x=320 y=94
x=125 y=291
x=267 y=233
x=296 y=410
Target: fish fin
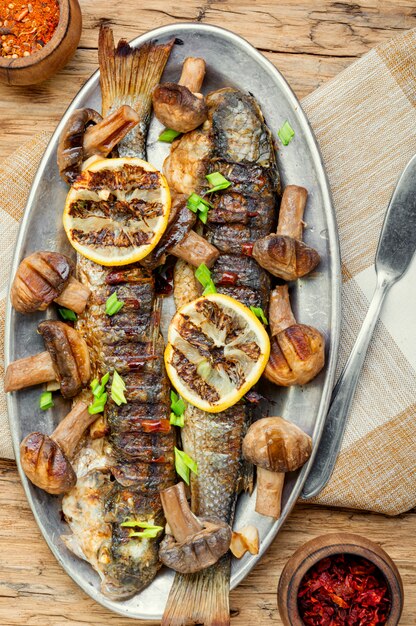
x=201 y=598
x=129 y=75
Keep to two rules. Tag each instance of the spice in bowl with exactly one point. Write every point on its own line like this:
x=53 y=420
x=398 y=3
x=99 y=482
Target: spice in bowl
x=25 y=27
x=344 y=589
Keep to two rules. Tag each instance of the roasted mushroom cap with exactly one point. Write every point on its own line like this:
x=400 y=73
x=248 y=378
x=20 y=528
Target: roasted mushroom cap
x=45 y=465
x=275 y=446
x=195 y=543
x=45 y=276
x=45 y=460
x=40 y=278
x=181 y=106
x=178 y=108
x=285 y=257
x=284 y=254
x=297 y=351
x=66 y=361
x=69 y=354
x=70 y=148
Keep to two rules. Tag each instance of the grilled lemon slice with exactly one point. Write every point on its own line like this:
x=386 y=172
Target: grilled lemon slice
x=117 y=210
x=217 y=350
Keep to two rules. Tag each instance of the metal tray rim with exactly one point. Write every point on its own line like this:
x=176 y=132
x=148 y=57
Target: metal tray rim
x=335 y=298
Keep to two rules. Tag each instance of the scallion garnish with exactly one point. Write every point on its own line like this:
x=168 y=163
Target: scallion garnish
x=286 y=133
x=98 y=404
x=97 y=387
x=113 y=304
x=178 y=406
x=177 y=420
x=184 y=465
x=258 y=312
x=203 y=274
x=67 y=314
x=168 y=135
x=198 y=205
x=150 y=530
x=218 y=181
x=117 y=389
x=45 y=400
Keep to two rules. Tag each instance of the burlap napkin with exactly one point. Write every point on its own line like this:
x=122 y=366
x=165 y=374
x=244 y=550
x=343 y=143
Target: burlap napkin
x=364 y=120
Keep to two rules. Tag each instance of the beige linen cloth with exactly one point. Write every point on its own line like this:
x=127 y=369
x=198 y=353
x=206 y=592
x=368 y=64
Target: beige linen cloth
x=365 y=123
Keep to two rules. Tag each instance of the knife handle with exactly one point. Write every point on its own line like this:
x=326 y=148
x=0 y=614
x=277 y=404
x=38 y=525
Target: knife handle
x=342 y=397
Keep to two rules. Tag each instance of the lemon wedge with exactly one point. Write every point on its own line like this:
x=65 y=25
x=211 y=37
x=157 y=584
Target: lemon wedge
x=217 y=350
x=117 y=210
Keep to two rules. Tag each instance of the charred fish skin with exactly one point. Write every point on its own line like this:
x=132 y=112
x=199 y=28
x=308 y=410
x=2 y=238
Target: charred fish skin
x=242 y=150
x=137 y=455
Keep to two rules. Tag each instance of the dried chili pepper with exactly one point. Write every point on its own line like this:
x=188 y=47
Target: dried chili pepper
x=344 y=590
x=25 y=27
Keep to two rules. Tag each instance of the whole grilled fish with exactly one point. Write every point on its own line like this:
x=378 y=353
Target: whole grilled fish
x=236 y=142
x=120 y=475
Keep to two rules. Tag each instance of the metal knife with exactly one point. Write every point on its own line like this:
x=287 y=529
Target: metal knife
x=396 y=248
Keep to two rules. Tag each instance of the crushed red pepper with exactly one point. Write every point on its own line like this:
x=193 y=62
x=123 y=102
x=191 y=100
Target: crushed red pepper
x=25 y=27
x=343 y=590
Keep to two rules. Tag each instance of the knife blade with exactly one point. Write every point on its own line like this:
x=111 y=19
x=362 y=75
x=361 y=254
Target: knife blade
x=396 y=247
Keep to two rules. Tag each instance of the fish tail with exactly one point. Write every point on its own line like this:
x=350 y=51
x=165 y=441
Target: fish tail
x=201 y=598
x=128 y=76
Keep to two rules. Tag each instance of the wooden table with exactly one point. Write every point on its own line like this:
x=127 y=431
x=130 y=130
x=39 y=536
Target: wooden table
x=310 y=41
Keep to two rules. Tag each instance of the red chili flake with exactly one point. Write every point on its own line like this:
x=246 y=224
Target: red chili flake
x=247 y=249
x=344 y=590
x=156 y=426
x=227 y=278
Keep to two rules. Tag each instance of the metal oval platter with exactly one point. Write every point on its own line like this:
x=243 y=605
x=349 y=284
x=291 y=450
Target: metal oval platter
x=316 y=299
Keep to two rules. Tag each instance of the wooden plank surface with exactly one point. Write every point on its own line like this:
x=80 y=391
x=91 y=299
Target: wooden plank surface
x=309 y=41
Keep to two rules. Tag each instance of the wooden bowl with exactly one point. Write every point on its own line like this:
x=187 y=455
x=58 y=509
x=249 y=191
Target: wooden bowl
x=54 y=55
x=326 y=545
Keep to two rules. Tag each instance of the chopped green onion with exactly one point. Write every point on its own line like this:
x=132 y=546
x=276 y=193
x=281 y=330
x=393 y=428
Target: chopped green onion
x=218 y=181
x=45 y=400
x=177 y=405
x=203 y=274
x=149 y=533
x=210 y=288
x=168 y=135
x=198 y=205
x=258 y=312
x=184 y=465
x=177 y=420
x=99 y=388
x=98 y=405
x=113 y=305
x=286 y=133
x=117 y=389
x=67 y=314
x=150 y=530
x=132 y=523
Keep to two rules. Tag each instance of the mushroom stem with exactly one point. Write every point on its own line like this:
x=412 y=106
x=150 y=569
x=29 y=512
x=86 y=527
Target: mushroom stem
x=32 y=370
x=280 y=311
x=269 y=492
x=74 y=296
x=69 y=431
x=182 y=522
x=193 y=73
x=195 y=250
x=101 y=138
x=292 y=208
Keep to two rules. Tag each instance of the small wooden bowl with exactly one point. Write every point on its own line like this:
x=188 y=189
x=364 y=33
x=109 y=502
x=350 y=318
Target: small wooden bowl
x=326 y=545
x=54 y=55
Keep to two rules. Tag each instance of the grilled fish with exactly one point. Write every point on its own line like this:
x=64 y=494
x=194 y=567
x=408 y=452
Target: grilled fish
x=120 y=475
x=241 y=148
